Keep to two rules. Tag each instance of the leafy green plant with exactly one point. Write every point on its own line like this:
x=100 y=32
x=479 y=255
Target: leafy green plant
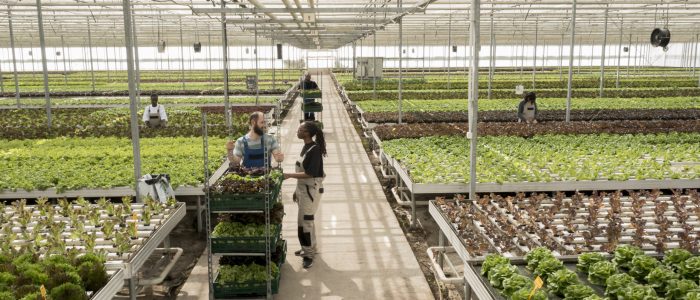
x=637 y=291
x=241 y=274
x=659 y=277
x=674 y=258
x=616 y=283
x=491 y=261
x=514 y=283
x=599 y=272
x=624 y=254
x=560 y=280
x=578 y=292
x=677 y=289
x=69 y=291
x=690 y=269
x=585 y=261
x=524 y=294
x=500 y=273
x=641 y=266
x=534 y=257
x=547 y=267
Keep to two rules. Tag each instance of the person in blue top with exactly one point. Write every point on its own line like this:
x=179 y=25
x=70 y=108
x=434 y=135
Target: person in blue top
x=249 y=150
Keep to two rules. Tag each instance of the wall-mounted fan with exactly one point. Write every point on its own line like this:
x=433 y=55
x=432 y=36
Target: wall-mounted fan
x=660 y=37
x=161 y=46
x=197 y=47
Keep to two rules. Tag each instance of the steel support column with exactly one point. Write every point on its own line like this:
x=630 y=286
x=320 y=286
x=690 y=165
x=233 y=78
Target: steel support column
x=619 y=56
x=449 y=53
x=561 y=58
x=629 y=57
x=492 y=52
x=257 y=72
x=695 y=57
x=571 y=61
x=44 y=66
x=135 y=142
x=137 y=63
x=399 y=4
x=224 y=43
x=182 y=55
x=14 y=58
x=92 y=67
x=65 y=71
x=602 y=55
x=534 y=54
x=474 y=37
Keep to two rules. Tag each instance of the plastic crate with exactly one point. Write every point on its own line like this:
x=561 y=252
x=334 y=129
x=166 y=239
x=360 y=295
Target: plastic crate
x=234 y=290
x=311 y=94
x=252 y=288
x=311 y=108
x=246 y=244
x=243 y=202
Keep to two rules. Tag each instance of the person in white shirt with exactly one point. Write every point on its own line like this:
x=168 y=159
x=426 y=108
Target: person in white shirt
x=154 y=115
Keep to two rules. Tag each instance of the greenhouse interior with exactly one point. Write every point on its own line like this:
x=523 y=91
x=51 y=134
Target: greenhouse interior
x=349 y=149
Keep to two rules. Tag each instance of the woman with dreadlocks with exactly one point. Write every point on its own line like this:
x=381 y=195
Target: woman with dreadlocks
x=309 y=174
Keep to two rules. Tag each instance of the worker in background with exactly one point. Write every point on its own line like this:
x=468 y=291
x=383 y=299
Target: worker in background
x=249 y=150
x=527 y=109
x=154 y=115
x=309 y=84
x=309 y=174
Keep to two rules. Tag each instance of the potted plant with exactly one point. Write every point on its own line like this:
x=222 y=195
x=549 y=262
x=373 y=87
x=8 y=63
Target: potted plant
x=108 y=229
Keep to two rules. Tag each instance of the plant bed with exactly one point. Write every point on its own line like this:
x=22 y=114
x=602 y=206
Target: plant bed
x=542 y=115
x=417 y=130
x=311 y=94
x=580 y=223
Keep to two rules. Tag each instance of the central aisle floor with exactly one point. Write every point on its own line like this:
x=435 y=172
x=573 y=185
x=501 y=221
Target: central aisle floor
x=363 y=253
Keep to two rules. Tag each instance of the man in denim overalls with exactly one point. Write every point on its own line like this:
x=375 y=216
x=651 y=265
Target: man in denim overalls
x=249 y=150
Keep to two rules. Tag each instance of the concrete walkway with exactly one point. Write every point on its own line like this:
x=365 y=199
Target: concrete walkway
x=363 y=253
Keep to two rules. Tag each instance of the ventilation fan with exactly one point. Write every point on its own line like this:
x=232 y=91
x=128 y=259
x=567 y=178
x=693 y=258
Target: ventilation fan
x=660 y=38
x=197 y=47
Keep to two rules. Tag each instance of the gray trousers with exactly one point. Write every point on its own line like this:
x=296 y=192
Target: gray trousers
x=308 y=194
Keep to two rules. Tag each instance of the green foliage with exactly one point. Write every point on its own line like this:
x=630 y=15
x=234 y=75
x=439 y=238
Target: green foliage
x=235 y=229
x=578 y=292
x=585 y=261
x=445 y=159
x=68 y=291
x=514 y=283
x=690 y=269
x=641 y=266
x=677 y=289
x=599 y=272
x=460 y=105
x=239 y=274
x=636 y=291
x=70 y=164
x=624 y=254
x=500 y=273
x=674 y=258
x=547 y=267
x=93 y=275
x=659 y=277
x=616 y=284
x=560 y=280
x=491 y=261
x=534 y=257
x=524 y=294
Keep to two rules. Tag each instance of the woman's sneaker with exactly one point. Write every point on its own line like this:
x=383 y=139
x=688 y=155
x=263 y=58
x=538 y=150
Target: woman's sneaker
x=308 y=262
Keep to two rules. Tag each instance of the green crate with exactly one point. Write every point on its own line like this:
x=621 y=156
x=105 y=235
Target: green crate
x=245 y=244
x=253 y=288
x=311 y=94
x=283 y=257
x=243 y=202
x=311 y=108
